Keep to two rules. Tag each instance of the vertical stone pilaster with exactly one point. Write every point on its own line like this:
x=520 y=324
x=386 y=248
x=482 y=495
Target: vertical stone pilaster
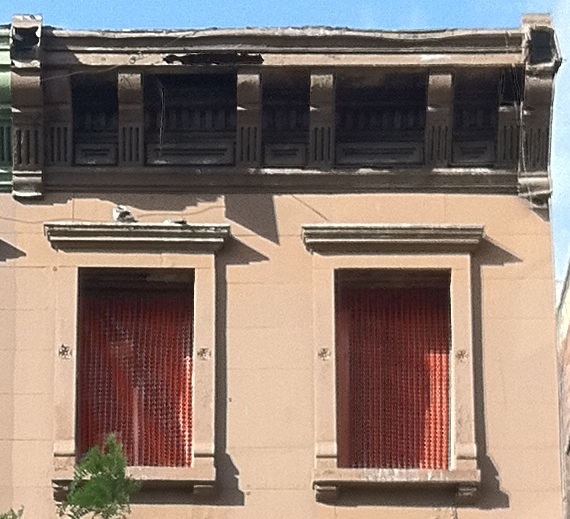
x=58 y=117
x=248 y=147
x=27 y=107
x=464 y=446
x=508 y=137
x=322 y=121
x=5 y=113
x=131 y=119
x=439 y=120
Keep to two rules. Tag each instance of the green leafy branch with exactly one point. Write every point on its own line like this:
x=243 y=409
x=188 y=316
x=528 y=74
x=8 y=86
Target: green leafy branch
x=100 y=485
x=11 y=514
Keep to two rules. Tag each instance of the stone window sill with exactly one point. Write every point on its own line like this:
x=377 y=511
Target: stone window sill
x=200 y=478
x=328 y=481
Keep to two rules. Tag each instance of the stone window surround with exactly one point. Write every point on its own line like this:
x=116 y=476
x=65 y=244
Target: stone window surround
x=107 y=241
x=402 y=247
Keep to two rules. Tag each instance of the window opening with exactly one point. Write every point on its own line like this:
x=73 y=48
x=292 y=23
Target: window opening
x=393 y=341
x=135 y=365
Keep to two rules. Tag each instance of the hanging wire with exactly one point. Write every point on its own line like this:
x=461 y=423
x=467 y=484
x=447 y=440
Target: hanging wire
x=162 y=91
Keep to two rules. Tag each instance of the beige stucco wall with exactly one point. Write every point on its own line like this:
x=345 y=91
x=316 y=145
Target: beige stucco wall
x=563 y=341
x=265 y=387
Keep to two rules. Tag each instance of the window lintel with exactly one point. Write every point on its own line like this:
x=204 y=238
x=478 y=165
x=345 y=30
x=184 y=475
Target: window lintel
x=186 y=236
x=346 y=238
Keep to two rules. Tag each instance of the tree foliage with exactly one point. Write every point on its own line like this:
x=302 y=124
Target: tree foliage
x=11 y=514
x=100 y=485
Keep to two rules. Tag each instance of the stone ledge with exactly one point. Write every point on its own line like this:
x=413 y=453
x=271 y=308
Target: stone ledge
x=133 y=236
x=348 y=238
x=201 y=477
x=328 y=482
x=187 y=179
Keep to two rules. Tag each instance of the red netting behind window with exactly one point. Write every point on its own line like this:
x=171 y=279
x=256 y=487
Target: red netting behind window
x=397 y=349
x=135 y=374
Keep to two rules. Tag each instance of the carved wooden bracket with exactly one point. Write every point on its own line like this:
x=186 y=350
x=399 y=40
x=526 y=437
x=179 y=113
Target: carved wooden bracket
x=59 y=117
x=248 y=150
x=131 y=119
x=542 y=62
x=537 y=106
x=439 y=119
x=322 y=121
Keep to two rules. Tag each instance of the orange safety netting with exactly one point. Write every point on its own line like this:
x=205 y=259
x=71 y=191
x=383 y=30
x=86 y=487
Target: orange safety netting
x=397 y=377
x=135 y=374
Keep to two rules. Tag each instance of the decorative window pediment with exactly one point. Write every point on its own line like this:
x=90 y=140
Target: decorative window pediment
x=124 y=236
x=348 y=238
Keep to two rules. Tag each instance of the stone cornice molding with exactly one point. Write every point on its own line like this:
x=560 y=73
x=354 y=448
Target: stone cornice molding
x=316 y=38
x=193 y=238
x=349 y=238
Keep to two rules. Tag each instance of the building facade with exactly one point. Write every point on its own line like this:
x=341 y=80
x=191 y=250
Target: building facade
x=563 y=343
x=298 y=272
x=5 y=112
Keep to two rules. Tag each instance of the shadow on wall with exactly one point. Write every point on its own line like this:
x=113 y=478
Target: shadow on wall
x=234 y=253
x=255 y=212
x=156 y=203
x=490 y=495
x=9 y=252
x=488 y=254
x=228 y=492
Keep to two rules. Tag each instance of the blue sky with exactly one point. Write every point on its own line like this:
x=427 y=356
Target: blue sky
x=370 y=14
x=366 y=14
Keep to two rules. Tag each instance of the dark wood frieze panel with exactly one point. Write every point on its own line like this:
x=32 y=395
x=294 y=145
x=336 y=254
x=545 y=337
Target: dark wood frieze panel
x=95 y=119
x=190 y=119
x=285 y=119
x=381 y=122
x=475 y=117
